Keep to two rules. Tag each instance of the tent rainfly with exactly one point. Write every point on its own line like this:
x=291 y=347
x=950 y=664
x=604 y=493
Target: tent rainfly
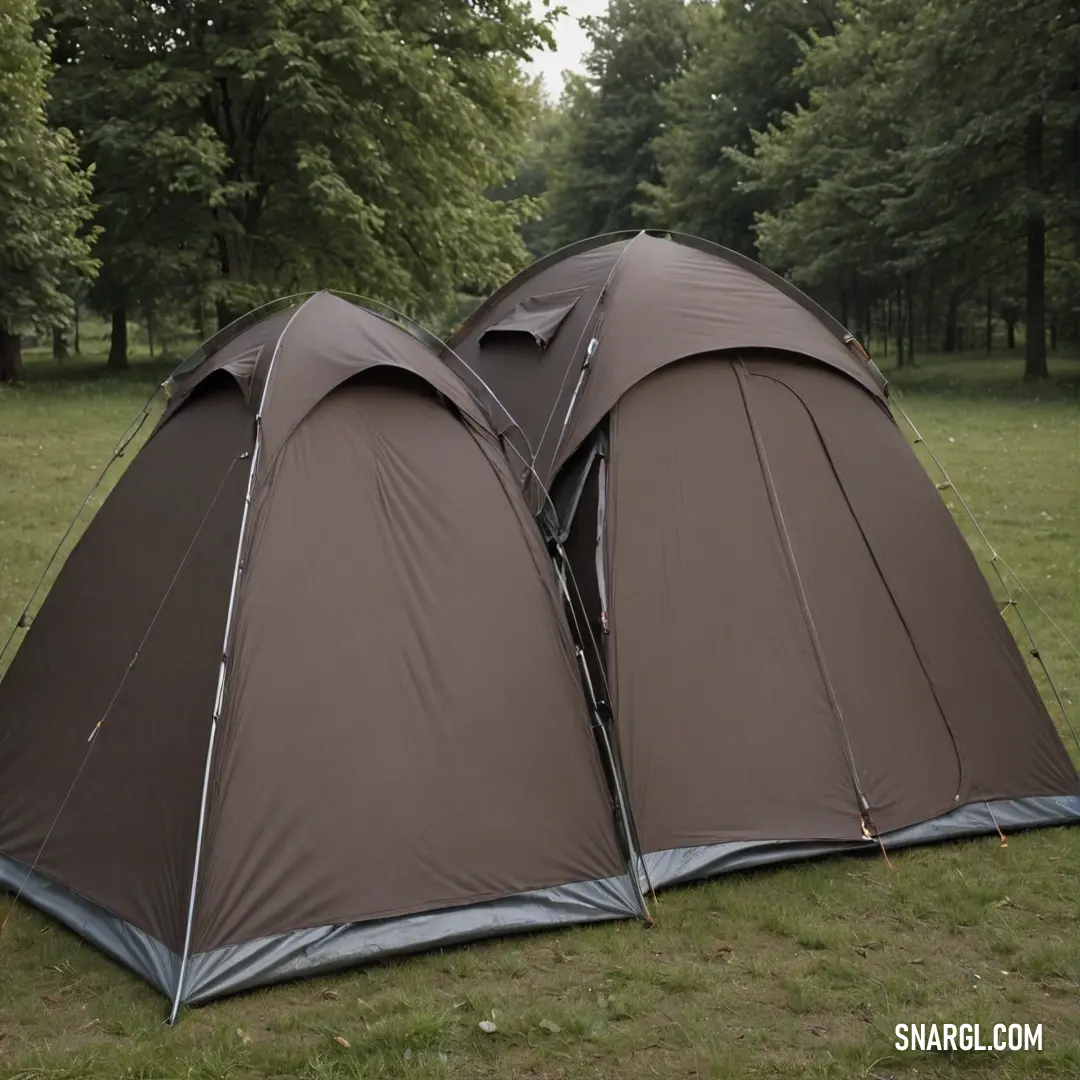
x=797 y=647
x=391 y=751
x=314 y=688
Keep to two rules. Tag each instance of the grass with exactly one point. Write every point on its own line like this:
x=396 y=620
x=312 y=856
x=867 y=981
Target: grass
x=798 y=972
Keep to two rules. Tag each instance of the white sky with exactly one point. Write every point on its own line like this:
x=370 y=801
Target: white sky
x=571 y=40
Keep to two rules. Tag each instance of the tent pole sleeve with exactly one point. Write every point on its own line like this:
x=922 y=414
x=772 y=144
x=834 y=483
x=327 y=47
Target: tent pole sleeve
x=219 y=696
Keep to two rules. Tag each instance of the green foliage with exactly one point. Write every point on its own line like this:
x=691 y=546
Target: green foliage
x=612 y=114
x=913 y=159
x=534 y=176
x=915 y=166
x=44 y=195
x=740 y=78
x=252 y=147
x=829 y=166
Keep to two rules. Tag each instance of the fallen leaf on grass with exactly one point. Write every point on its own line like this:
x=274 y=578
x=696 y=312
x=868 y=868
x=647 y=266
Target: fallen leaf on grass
x=550 y=1027
x=341 y=1041
x=244 y=1036
x=488 y=1026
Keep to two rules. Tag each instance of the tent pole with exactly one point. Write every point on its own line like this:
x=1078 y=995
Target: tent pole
x=594 y=342
x=634 y=856
x=219 y=696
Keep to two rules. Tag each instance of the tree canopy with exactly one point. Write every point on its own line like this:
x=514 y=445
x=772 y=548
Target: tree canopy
x=248 y=147
x=613 y=115
x=915 y=166
x=44 y=195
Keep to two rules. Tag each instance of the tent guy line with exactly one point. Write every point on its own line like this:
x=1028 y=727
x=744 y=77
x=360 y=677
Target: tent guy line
x=996 y=561
x=91 y=739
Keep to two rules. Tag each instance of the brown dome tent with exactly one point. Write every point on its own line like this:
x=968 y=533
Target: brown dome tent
x=797 y=648
x=391 y=749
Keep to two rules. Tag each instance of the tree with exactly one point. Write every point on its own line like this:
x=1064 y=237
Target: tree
x=993 y=87
x=44 y=196
x=613 y=113
x=304 y=143
x=534 y=176
x=829 y=169
x=930 y=161
x=741 y=76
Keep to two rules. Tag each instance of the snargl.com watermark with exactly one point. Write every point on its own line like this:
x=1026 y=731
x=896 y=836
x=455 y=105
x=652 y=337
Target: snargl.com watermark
x=999 y=1038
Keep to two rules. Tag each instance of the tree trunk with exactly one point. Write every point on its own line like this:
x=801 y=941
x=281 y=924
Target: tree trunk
x=235 y=260
x=11 y=361
x=150 y=334
x=910 y=295
x=59 y=345
x=951 y=328
x=1053 y=333
x=1035 y=316
x=900 y=328
x=888 y=326
x=78 y=344
x=225 y=315
x=989 y=320
x=1010 y=331
x=118 y=342
x=928 y=317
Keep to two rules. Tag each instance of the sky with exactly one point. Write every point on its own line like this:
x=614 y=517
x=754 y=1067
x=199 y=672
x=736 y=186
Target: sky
x=569 y=37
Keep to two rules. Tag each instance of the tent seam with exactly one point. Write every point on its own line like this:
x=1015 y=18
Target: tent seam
x=803 y=600
x=881 y=575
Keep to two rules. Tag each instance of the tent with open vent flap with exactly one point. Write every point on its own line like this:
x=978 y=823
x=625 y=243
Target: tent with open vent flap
x=303 y=694
x=797 y=649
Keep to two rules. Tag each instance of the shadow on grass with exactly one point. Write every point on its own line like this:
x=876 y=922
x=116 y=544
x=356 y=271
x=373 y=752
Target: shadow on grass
x=44 y=373
x=981 y=378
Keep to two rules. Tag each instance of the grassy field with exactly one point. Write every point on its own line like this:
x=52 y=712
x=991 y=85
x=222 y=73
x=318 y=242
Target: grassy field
x=799 y=972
